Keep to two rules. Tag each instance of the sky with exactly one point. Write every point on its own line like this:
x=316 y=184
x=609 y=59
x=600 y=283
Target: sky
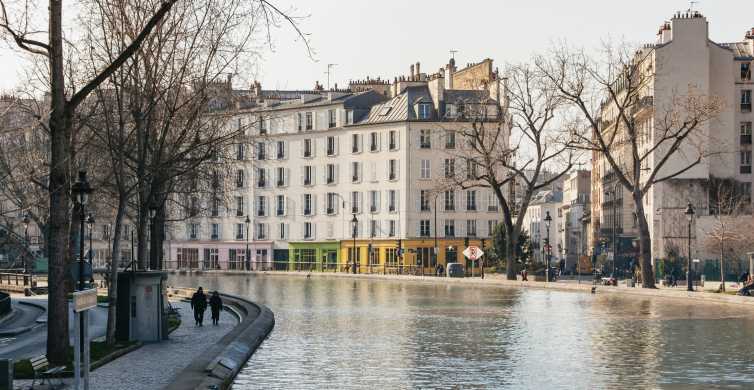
x=382 y=38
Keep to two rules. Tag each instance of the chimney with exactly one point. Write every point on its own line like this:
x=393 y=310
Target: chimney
x=418 y=71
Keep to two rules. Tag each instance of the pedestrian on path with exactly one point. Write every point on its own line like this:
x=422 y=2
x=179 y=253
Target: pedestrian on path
x=215 y=305
x=524 y=275
x=199 y=305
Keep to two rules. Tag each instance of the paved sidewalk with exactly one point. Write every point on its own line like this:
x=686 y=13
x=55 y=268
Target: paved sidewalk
x=153 y=366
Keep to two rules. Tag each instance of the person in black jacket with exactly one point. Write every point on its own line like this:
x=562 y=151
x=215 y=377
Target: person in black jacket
x=199 y=304
x=215 y=305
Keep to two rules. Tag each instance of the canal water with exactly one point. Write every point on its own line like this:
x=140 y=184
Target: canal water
x=336 y=333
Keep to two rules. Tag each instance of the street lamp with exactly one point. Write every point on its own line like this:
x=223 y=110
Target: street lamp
x=690 y=216
x=246 y=258
x=548 y=221
x=153 y=254
x=81 y=190
x=354 y=225
x=90 y=221
x=26 y=239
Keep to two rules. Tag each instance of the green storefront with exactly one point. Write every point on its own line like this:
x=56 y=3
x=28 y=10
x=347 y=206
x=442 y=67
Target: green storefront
x=314 y=256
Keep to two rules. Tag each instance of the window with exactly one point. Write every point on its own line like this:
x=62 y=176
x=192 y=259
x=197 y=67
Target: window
x=261 y=231
x=355 y=172
x=332 y=122
x=355 y=202
x=491 y=224
x=331 y=146
x=261 y=206
x=471 y=173
x=450 y=139
x=424 y=200
x=309 y=120
x=425 y=139
x=424 y=228
x=308 y=175
x=280 y=146
x=308 y=204
x=374 y=201
x=262 y=126
x=300 y=121
x=424 y=172
x=193 y=229
x=283 y=231
x=450 y=201
x=308 y=231
x=261 y=155
x=280 y=205
x=215 y=207
x=745 y=71
x=331 y=174
x=280 y=176
x=393 y=140
x=746 y=100
x=332 y=203
x=211 y=258
x=425 y=110
x=392 y=169
x=392 y=201
x=471 y=200
x=493 y=202
x=240 y=228
x=355 y=143
x=746 y=162
x=391 y=257
x=239 y=206
x=236 y=258
x=471 y=228
x=373 y=229
x=450 y=168
x=349 y=117
x=374 y=142
x=391 y=229
x=745 y=133
x=450 y=228
x=240 y=176
x=308 y=152
x=261 y=178
x=240 y=152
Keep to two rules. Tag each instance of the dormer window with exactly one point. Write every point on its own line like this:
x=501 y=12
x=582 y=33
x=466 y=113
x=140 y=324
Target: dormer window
x=424 y=110
x=349 y=117
x=745 y=71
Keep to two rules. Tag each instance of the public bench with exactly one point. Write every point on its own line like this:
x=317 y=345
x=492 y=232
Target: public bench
x=43 y=371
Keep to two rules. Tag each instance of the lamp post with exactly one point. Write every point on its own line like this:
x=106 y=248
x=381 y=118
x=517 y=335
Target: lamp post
x=81 y=190
x=26 y=241
x=246 y=257
x=90 y=221
x=690 y=216
x=354 y=225
x=153 y=254
x=548 y=221
x=435 y=249
x=614 y=192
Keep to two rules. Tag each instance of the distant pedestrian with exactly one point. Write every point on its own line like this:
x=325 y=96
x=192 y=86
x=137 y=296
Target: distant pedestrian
x=199 y=304
x=524 y=275
x=215 y=305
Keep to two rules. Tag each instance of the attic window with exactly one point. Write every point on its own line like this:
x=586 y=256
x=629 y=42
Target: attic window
x=424 y=111
x=385 y=110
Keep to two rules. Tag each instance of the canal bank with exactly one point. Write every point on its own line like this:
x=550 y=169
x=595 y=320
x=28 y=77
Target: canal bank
x=499 y=281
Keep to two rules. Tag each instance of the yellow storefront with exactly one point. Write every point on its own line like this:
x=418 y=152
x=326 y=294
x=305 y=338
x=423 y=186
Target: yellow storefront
x=381 y=256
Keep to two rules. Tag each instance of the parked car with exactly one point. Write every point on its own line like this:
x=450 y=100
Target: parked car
x=455 y=270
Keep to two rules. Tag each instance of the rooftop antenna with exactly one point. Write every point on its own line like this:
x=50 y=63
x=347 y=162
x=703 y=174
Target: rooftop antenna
x=453 y=54
x=329 y=73
x=692 y=4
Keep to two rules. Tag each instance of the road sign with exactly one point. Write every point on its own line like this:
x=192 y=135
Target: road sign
x=84 y=300
x=473 y=253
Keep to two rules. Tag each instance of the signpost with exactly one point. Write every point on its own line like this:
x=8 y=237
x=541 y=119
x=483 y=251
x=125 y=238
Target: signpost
x=473 y=253
x=82 y=301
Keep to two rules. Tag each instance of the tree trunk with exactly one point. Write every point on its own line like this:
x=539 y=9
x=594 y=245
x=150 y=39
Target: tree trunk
x=112 y=289
x=645 y=243
x=511 y=243
x=722 y=268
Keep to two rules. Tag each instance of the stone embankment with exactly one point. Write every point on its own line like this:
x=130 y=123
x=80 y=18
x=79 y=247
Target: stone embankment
x=219 y=364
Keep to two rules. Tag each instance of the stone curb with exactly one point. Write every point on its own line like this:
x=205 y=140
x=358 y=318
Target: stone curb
x=223 y=361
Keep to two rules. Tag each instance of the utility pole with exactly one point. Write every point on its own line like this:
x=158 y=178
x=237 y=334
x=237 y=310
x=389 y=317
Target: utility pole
x=329 y=73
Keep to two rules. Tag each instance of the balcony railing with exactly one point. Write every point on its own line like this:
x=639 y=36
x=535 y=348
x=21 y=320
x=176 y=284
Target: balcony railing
x=745 y=139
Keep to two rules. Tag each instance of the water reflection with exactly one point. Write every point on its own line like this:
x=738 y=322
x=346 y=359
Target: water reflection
x=341 y=333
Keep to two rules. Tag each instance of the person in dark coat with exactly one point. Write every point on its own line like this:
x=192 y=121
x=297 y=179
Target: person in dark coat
x=199 y=304
x=215 y=305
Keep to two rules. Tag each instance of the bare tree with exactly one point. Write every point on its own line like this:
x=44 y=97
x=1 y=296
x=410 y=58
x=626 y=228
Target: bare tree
x=731 y=229
x=614 y=114
x=516 y=147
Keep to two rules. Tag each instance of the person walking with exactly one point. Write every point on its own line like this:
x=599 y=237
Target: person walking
x=199 y=305
x=215 y=305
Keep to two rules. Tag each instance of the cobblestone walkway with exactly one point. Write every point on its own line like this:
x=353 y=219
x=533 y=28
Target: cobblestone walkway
x=154 y=365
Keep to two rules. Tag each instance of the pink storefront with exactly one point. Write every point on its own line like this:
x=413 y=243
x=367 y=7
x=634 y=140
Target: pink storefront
x=219 y=255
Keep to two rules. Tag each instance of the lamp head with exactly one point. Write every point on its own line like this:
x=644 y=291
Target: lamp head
x=690 y=212
x=90 y=220
x=81 y=189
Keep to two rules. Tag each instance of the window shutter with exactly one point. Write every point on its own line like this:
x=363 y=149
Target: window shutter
x=360 y=196
x=268 y=177
x=337 y=145
x=378 y=200
x=303 y=205
x=373 y=171
x=314 y=204
x=314 y=230
x=314 y=175
x=397 y=200
x=314 y=147
x=303 y=171
x=337 y=173
x=287 y=177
